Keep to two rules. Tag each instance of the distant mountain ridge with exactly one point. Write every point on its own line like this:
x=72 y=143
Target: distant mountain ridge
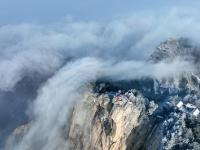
x=173 y=48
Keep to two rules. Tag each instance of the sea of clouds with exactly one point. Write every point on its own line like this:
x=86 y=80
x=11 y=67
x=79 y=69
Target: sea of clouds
x=64 y=57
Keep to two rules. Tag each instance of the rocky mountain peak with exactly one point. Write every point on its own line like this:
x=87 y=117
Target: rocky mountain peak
x=173 y=48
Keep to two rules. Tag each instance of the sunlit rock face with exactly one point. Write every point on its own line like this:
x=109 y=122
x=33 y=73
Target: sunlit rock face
x=110 y=123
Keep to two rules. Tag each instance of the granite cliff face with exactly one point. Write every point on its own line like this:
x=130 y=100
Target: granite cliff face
x=139 y=114
x=106 y=123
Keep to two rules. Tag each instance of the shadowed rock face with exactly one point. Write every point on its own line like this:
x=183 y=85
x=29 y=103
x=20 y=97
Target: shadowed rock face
x=143 y=115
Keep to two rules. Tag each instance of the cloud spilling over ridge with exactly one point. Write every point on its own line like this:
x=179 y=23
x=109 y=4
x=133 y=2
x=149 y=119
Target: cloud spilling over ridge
x=75 y=53
x=52 y=104
x=128 y=70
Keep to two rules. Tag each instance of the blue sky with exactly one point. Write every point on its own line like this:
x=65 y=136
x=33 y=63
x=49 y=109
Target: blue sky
x=45 y=11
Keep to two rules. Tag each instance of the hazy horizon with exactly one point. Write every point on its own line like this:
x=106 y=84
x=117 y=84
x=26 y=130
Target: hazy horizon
x=50 y=11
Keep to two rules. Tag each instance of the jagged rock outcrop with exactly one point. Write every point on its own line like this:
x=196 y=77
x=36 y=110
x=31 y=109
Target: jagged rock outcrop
x=112 y=122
